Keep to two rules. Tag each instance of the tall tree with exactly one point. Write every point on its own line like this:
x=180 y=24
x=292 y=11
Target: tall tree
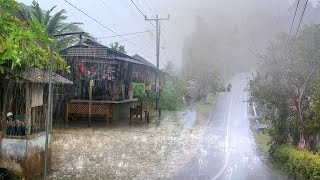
x=54 y=23
x=290 y=66
x=23 y=44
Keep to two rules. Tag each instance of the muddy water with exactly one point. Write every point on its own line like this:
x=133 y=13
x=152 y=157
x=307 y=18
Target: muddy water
x=137 y=151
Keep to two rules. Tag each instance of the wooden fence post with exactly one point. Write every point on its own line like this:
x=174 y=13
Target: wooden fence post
x=28 y=108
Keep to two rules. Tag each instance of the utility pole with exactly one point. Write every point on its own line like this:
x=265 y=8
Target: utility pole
x=157 y=20
x=50 y=102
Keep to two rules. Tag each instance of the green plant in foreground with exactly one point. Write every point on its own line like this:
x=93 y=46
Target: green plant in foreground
x=171 y=96
x=298 y=164
x=23 y=43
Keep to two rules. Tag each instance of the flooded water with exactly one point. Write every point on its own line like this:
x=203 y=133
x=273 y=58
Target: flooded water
x=181 y=145
x=137 y=151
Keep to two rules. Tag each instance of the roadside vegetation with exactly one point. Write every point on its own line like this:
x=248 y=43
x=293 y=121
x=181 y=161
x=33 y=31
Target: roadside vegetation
x=206 y=106
x=286 y=87
x=297 y=163
x=263 y=143
x=182 y=91
x=171 y=92
x=171 y=98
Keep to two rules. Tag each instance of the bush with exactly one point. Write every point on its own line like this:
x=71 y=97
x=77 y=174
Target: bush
x=171 y=96
x=138 y=92
x=298 y=164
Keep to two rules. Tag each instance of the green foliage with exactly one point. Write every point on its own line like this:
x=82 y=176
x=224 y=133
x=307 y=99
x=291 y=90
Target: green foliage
x=23 y=44
x=138 y=91
x=117 y=47
x=171 y=98
x=283 y=85
x=53 y=23
x=314 y=111
x=263 y=142
x=298 y=164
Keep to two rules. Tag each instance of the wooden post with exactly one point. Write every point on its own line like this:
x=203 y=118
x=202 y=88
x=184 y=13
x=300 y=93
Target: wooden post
x=66 y=121
x=90 y=100
x=28 y=109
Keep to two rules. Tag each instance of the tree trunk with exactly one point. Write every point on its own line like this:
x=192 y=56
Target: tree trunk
x=305 y=130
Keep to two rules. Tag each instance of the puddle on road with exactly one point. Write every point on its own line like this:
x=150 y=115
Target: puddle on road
x=140 y=151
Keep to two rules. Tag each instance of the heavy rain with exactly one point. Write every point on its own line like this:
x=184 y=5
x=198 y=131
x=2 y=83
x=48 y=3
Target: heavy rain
x=171 y=89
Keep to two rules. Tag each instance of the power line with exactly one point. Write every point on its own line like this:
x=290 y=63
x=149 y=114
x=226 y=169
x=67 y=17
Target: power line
x=151 y=22
x=148 y=6
x=294 y=17
x=106 y=3
x=99 y=22
x=137 y=8
x=126 y=4
x=303 y=12
x=128 y=39
x=152 y=9
x=147 y=45
x=126 y=34
x=141 y=12
x=164 y=40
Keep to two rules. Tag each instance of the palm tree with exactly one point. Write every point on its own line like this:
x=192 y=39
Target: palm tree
x=55 y=24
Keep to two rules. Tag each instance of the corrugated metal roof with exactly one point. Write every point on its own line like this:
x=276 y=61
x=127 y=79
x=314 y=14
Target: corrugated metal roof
x=131 y=60
x=95 y=52
x=40 y=76
x=144 y=61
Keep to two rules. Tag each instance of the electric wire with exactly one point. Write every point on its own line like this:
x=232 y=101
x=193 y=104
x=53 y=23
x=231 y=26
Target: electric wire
x=300 y=21
x=164 y=40
x=98 y=22
x=141 y=12
x=128 y=39
x=150 y=10
x=294 y=17
x=127 y=34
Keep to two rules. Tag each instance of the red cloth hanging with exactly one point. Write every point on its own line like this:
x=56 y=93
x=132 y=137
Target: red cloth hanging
x=81 y=69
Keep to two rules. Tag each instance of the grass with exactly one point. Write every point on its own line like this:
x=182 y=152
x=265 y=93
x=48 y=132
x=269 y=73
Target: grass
x=203 y=107
x=262 y=141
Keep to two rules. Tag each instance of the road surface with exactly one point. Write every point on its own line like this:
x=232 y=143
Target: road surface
x=227 y=150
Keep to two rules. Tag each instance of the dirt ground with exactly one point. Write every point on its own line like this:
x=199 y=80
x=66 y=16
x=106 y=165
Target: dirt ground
x=122 y=151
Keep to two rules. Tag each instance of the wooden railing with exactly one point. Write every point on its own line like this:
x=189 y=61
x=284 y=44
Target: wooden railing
x=93 y=109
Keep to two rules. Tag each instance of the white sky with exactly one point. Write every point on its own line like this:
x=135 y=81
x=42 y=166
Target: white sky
x=122 y=17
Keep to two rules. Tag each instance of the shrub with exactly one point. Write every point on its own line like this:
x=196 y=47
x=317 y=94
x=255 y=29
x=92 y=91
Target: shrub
x=171 y=96
x=138 y=92
x=298 y=164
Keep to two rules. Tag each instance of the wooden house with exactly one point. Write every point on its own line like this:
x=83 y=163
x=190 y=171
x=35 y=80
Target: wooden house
x=102 y=80
x=24 y=115
x=25 y=102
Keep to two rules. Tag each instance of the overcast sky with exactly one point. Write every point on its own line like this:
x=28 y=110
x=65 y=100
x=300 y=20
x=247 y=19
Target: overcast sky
x=122 y=17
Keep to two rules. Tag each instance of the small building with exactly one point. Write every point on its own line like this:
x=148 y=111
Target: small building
x=23 y=133
x=102 y=81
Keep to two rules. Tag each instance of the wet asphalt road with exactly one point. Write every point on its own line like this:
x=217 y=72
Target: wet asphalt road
x=227 y=150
